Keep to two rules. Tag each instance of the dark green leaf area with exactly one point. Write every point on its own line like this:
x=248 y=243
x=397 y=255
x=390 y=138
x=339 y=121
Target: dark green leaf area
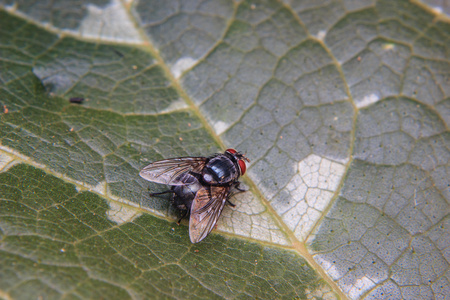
x=119 y=78
x=20 y=44
x=59 y=13
x=87 y=142
x=95 y=146
x=108 y=76
x=58 y=242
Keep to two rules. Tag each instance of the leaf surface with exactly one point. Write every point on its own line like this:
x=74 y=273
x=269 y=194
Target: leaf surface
x=342 y=106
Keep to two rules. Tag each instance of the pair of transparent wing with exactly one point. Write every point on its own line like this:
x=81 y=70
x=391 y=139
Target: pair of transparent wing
x=170 y=171
x=209 y=201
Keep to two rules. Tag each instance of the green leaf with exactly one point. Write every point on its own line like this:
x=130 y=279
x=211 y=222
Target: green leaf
x=59 y=242
x=342 y=107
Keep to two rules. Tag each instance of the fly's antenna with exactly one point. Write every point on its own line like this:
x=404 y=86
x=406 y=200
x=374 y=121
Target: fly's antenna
x=237 y=154
x=244 y=157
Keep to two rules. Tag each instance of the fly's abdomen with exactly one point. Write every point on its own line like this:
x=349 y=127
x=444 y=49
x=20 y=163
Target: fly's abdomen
x=185 y=194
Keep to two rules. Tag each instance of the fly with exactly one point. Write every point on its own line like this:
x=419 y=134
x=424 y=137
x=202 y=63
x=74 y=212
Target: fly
x=200 y=186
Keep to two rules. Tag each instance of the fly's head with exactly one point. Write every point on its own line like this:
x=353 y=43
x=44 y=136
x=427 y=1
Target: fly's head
x=240 y=158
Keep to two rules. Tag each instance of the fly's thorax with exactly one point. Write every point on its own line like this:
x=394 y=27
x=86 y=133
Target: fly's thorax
x=221 y=169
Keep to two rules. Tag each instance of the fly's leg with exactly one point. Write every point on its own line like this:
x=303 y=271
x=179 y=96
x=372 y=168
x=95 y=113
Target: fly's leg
x=239 y=190
x=236 y=186
x=230 y=203
x=184 y=214
x=162 y=193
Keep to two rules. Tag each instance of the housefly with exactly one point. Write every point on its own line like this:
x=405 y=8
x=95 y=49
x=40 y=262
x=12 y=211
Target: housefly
x=200 y=185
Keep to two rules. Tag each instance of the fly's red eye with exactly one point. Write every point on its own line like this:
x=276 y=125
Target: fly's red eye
x=232 y=151
x=242 y=166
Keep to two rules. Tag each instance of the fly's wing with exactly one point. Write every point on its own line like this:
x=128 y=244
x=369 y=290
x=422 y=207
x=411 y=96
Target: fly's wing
x=171 y=171
x=205 y=211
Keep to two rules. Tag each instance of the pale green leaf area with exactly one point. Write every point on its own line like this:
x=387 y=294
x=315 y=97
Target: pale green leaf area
x=343 y=108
